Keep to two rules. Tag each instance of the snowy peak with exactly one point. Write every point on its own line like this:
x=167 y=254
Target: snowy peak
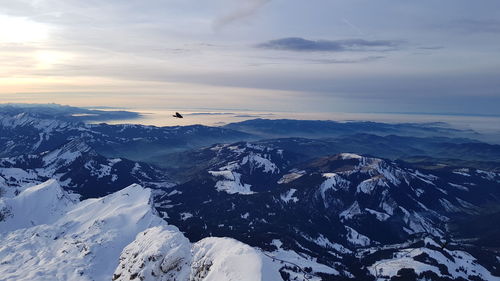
x=77 y=241
x=345 y=162
x=116 y=237
x=133 y=203
x=163 y=253
x=158 y=253
x=247 y=168
x=29 y=120
x=339 y=204
x=371 y=191
x=68 y=153
x=39 y=204
x=248 y=156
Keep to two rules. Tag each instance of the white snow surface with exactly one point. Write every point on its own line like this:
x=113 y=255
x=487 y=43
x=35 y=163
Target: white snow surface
x=256 y=160
x=369 y=185
x=51 y=236
x=40 y=204
x=231 y=183
x=163 y=253
x=79 y=242
x=282 y=256
x=333 y=181
x=346 y=156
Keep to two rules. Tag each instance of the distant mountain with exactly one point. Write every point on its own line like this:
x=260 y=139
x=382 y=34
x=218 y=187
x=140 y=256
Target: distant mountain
x=279 y=128
x=454 y=150
x=28 y=134
x=64 y=112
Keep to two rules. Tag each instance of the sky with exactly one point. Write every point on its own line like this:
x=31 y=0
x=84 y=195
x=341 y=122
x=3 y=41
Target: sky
x=282 y=55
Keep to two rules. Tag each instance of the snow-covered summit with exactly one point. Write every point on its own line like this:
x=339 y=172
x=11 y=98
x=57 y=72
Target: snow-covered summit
x=246 y=168
x=163 y=253
x=28 y=120
x=48 y=235
x=39 y=204
x=75 y=241
x=350 y=156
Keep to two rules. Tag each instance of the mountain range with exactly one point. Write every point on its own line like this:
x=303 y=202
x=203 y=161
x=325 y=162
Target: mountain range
x=256 y=200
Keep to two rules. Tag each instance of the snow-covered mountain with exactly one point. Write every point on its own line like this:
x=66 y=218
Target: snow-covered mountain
x=328 y=208
x=284 y=209
x=80 y=168
x=29 y=134
x=47 y=234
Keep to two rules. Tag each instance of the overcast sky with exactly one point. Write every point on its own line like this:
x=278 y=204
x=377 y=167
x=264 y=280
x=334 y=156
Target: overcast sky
x=321 y=55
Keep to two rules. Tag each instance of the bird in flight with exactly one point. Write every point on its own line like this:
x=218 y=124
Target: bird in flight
x=178 y=115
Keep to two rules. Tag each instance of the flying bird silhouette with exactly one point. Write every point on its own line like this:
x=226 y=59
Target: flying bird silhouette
x=177 y=115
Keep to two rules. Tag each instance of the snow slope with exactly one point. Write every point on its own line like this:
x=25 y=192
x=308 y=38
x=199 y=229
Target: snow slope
x=40 y=204
x=48 y=235
x=163 y=253
x=82 y=244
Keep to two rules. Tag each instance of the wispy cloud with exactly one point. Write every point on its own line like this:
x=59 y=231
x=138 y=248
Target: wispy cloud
x=430 y=47
x=304 y=45
x=353 y=60
x=245 y=9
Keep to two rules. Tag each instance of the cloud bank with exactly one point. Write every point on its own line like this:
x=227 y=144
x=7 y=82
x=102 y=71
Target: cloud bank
x=304 y=45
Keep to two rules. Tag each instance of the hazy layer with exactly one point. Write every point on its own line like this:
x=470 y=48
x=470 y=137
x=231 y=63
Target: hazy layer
x=213 y=117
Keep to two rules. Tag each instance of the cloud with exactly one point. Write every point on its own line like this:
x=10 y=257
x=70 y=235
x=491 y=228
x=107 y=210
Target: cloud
x=211 y=113
x=430 y=47
x=354 y=60
x=246 y=10
x=304 y=45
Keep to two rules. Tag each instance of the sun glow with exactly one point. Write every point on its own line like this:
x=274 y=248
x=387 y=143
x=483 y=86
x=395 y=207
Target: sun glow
x=21 y=30
x=45 y=59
